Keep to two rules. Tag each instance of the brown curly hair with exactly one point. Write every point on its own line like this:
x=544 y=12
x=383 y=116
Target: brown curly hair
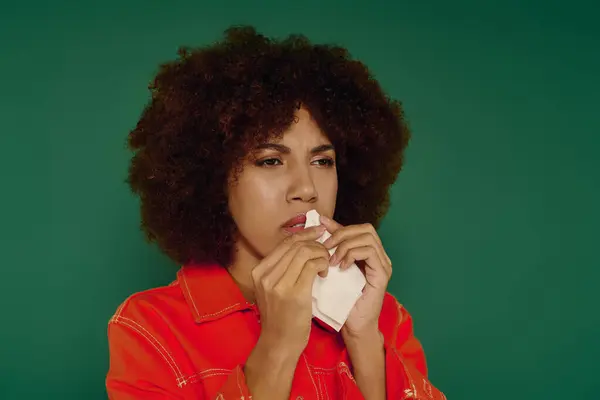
x=213 y=104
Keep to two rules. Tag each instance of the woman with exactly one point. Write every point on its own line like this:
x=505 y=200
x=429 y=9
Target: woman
x=238 y=142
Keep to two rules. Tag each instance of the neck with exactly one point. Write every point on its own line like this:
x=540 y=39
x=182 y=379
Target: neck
x=245 y=285
x=241 y=271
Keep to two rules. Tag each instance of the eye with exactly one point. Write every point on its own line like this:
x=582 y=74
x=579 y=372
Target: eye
x=325 y=162
x=273 y=162
x=269 y=162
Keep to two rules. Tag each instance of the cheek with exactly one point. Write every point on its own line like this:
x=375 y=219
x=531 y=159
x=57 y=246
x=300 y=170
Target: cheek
x=327 y=189
x=253 y=200
x=252 y=204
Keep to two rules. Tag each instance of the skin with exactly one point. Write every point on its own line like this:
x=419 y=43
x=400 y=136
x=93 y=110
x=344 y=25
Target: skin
x=275 y=269
x=276 y=186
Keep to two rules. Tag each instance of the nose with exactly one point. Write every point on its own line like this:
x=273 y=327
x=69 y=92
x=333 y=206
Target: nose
x=302 y=185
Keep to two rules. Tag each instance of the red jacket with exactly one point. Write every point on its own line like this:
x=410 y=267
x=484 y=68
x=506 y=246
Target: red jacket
x=190 y=340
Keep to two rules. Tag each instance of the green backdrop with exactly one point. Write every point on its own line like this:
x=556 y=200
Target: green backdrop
x=494 y=225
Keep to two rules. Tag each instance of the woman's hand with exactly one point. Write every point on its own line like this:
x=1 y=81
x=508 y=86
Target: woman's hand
x=361 y=244
x=283 y=288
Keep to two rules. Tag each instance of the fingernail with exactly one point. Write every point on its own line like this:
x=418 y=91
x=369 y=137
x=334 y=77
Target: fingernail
x=324 y=218
x=333 y=260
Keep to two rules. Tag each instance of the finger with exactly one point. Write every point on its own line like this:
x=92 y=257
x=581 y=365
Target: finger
x=299 y=250
x=330 y=224
x=348 y=231
x=312 y=252
x=272 y=276
x=342 y=249
x=309 y=272
x=309 y=234
x=346 y=241
x=367 y=254
x=364 y=239
x=388 y=264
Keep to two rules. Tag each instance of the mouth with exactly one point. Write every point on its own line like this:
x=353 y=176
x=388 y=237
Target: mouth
x=295 y=224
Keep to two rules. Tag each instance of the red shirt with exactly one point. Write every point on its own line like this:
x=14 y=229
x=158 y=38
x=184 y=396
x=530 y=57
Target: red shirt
x=190 y=340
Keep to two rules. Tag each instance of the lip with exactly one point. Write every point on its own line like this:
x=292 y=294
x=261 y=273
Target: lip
x=298 y=219
x=289 y=230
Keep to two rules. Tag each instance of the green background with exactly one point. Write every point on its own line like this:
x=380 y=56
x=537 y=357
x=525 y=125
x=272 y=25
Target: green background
x=494 y=225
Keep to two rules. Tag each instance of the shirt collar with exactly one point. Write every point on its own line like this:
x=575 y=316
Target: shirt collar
x=210 y=292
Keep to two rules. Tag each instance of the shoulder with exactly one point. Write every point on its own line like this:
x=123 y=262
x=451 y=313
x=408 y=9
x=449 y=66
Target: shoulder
x=148 y=339
x=153 y=316
x=142 y=305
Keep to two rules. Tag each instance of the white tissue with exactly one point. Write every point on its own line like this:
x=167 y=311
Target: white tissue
x=335 y=295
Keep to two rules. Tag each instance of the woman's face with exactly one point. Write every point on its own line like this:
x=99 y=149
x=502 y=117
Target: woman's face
x=283 y=179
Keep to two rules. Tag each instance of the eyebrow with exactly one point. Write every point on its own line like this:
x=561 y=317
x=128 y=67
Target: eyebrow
x=286 y=150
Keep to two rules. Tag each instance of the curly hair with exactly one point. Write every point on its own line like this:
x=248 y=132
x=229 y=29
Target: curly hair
x=213 y=104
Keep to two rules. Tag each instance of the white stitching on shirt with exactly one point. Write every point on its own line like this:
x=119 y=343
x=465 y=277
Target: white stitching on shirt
x=394 y=346
x=180 y=374
x=319 y=386
x=189 y=294
x=180 y=380
x=427 y=388
x=311 y=376
x=195 y=379
x=343 y=386
x=207 y=373
x=210 y=372
x=119 y=311
x=213 y=370
x=346 y=370
x=187 y=288
x=325 y=389
x=397 y=327
x=220 y=312
x=409 y=376
x=323 y=369
x=237 y=379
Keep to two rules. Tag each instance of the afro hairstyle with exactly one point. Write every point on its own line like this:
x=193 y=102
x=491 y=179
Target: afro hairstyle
x=212 y=105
